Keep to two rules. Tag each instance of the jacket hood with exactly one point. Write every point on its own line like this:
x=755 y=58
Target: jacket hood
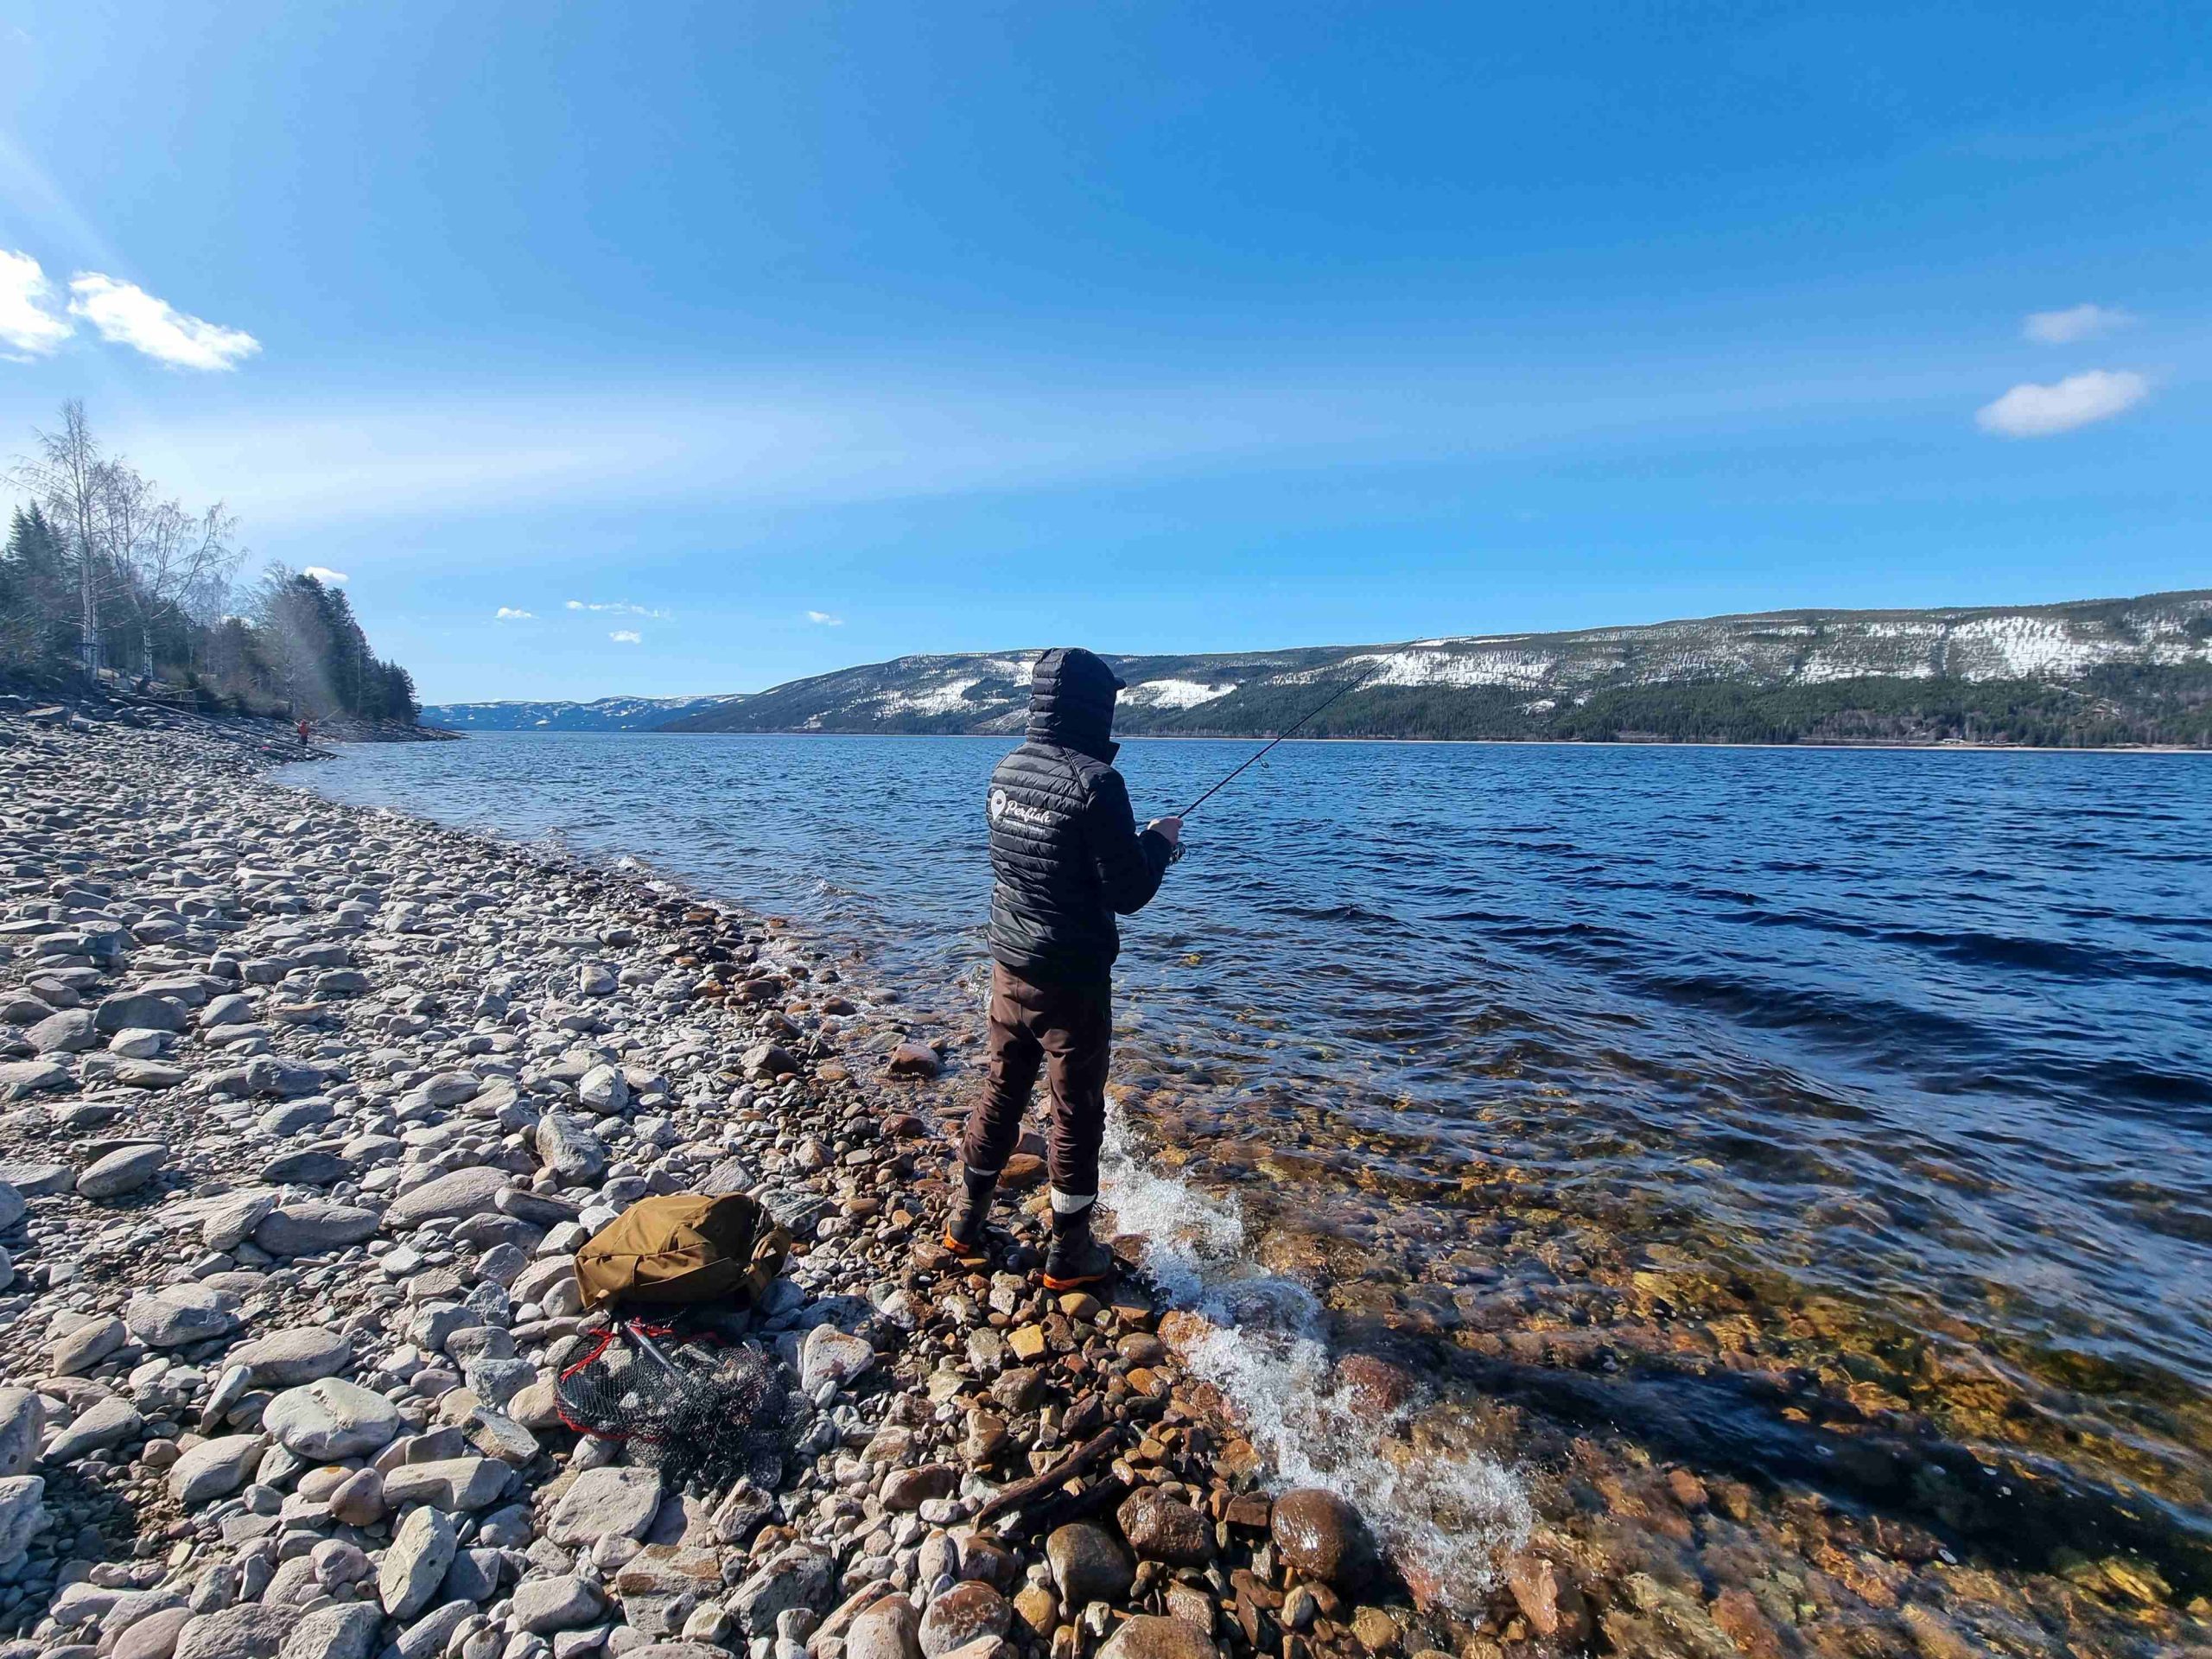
x=1072 y=701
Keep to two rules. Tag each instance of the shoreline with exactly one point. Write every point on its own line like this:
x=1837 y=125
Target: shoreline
x=1945 y=748
x=429 y=923
x=387 y=1069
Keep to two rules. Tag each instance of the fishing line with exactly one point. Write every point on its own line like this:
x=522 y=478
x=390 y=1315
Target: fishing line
x=1311 y=715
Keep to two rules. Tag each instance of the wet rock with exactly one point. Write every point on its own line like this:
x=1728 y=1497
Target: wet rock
x=1088 y=1565
x=1159 y=1528
x=331 y=1419
x=965 y=1614
x=905 y=1489
x=1146 y=1635
x=890 y=1629
x=1320 y=1534
x=1548 y=1599
x=913 y=1059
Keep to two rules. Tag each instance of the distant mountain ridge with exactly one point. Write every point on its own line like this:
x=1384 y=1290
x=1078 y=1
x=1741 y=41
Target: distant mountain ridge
x=2085 y=672
x=607 y=714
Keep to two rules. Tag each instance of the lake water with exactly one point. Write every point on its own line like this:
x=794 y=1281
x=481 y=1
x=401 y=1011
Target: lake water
x=1893 y=1068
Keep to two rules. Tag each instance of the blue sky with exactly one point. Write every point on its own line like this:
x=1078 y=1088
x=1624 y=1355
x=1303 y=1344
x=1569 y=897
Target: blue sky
x=798 y=336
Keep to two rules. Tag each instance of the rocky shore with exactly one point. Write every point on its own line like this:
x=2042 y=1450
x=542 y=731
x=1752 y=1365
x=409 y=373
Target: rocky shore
x=303 y=1112
x=304 y=1109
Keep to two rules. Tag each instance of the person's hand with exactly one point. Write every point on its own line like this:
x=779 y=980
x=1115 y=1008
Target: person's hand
x=1171 y=829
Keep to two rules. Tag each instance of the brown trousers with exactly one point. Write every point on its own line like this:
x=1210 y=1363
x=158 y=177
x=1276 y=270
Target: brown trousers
x=1066 y=1030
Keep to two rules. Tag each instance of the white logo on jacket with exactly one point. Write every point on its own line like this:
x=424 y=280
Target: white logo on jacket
x=1005 y=806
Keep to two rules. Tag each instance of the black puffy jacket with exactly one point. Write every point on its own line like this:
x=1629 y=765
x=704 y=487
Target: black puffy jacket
x=1065 y=847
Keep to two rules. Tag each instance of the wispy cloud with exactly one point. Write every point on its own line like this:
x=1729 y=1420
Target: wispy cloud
x=2074 y=322
x=324 y=574
x=509 y=613
x=28 y=325
x=825 y=619
x=617 y=607
x=127 y=314
x=2032 y=412
x=627 y=637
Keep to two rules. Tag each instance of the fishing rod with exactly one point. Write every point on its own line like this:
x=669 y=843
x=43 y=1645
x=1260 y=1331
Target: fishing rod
x=1310 y=716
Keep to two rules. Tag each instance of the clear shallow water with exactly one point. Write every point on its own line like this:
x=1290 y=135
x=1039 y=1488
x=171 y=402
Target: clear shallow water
x=1925 y=1036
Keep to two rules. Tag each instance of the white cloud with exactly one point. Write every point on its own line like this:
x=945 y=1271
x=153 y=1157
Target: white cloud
x=325 y=575
x=617 y=607
x=2074 y=322
x=127 y=314
x=2032 y=412
x=825 y=619
x=508 y=613
x=627 y=637
x=26 y=322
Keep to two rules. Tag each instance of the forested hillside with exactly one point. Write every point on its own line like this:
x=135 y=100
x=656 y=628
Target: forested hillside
x=2086 y=673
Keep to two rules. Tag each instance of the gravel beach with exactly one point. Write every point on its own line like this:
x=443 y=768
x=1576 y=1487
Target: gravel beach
x=303 y=1113
x=304 y=1110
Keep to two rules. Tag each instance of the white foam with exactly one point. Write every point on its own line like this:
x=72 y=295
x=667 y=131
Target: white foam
x=1445 y=1519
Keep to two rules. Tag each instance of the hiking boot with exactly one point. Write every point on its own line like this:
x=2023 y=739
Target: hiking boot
x=1076 y=1259
x=964 y=1229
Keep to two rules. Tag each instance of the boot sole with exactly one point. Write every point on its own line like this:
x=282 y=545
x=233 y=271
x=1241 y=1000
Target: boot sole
x=966 y=1256
x=1051 y=1283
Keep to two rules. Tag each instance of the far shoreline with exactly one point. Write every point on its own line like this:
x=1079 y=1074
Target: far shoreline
x=1951 y=748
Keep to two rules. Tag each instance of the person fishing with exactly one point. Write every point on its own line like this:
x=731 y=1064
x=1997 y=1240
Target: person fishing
x=1066 y=859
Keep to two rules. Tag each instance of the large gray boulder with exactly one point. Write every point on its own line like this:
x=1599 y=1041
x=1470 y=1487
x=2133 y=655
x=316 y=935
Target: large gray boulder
x=611 y=1503
x=456 y=1196
x=123 y=1170
x=22 y=1425
x=215 y=1468
x=177 y=1316
x=302 y=1353
x=22 y=1514
x=312 y=1227
x=139 y=1011
x=331 y=1419
x=416 y=1564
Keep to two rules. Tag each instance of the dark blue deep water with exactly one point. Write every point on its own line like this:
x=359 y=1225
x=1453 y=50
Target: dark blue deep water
x=1927 y=1032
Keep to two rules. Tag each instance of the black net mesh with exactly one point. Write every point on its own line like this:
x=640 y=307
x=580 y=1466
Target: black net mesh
x=691 y=1407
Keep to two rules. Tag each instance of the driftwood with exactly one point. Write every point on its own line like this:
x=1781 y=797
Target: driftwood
x=1025 y=1491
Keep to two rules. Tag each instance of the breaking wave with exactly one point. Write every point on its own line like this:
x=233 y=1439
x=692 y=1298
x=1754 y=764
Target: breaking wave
x=1443 y=1520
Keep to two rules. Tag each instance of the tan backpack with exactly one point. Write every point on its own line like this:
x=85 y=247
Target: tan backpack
x=684 y=1247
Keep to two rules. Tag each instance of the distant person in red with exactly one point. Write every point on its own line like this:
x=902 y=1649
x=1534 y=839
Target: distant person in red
x=303 y=736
